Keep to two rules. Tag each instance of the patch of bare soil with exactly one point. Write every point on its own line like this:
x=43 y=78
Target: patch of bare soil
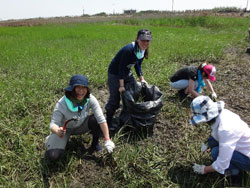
x=233 y=83
x=232 y=86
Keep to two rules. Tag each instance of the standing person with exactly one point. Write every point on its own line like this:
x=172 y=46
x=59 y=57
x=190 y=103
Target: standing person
x=230 y=138
x=119 y=71
x=190 y=79
x=74 y=107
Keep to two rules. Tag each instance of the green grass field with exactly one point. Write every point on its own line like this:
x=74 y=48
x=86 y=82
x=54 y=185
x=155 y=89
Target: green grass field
x=37 y=62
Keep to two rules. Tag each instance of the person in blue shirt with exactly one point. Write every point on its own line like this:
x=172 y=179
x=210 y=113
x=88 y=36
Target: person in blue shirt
x=119 y=71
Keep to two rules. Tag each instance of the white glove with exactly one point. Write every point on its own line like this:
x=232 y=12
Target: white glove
x=109 y=145
x=204 y=147
x=214 y=96
x=199 y=169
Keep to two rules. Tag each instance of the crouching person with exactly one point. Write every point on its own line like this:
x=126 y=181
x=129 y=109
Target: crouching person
x=190 y=80
x=230 y=138
x=71 y=117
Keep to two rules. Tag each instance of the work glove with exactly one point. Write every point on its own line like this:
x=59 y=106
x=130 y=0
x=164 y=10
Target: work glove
x=109 y=145
x=214 y=96
x=199 y=169
x=204 y=147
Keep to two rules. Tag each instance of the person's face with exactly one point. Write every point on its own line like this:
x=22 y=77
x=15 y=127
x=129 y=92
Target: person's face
x=80 y=92
x=204 y=75
x=143 y=44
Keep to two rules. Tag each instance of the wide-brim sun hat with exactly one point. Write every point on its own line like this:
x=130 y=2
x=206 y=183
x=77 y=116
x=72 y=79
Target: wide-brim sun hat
x=205 y=109
x=77 y=80
x=210 y=71
x=144 y=34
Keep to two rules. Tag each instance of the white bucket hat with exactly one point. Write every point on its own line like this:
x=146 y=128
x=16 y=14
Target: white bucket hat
x=204 y=109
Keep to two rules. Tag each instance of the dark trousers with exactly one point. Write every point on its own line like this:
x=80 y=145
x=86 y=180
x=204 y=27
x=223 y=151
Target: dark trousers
x=114 y=98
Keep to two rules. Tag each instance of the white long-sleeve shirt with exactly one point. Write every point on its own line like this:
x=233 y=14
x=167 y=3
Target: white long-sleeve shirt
x=62 y=113
x=232 y=134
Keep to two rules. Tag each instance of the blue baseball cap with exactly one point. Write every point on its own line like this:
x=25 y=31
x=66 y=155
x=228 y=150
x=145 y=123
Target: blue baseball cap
x=77 y=80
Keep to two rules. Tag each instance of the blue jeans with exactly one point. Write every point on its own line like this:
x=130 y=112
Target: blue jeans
x=182 y=84
x=238 y=162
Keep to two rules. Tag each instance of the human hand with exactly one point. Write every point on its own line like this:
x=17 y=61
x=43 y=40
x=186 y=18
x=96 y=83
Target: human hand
x=121 y=89
x=204 y=147
x=109 y=145
x=60 y=132
x=214 y=96
x=143 y=82
x=199 y=169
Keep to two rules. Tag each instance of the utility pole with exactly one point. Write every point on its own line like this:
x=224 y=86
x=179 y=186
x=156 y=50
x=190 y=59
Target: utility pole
x=83 y=12
x=172 y=5
x=247 y=5
x=113 y=5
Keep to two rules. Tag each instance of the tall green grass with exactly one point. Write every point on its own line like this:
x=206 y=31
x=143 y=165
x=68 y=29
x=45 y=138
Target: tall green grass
x=37 y=62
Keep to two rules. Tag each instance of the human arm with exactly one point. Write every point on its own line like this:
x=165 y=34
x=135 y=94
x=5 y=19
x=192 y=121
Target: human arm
x=105 y=130
x=122 y=87
x=209 y=169
x=220 y=164
x=58 y=130
x=138 y=69
x=142 y=80
x=210 y=87
x=226 y=150
x=108 y=144
x=124 y=60
x=202 y=169
x=57 y=119
x=190 y=89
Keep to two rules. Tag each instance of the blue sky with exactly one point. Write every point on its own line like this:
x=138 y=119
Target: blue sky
x=22 y=9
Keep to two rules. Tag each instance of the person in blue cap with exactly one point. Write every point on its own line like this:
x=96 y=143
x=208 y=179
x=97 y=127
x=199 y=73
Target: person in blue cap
x=230 y=140
x=119 y=71
x=73 y=110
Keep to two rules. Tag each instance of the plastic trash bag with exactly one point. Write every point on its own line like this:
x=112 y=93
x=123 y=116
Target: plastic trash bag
x=141 y=104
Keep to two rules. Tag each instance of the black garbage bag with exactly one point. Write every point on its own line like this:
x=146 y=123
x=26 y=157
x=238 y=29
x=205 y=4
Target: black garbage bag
x=141 y=104
x=248 y=50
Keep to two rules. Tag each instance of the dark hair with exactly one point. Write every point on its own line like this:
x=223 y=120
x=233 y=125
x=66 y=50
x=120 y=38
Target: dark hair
x=146 y=51
x=70 y=94
x=212 y=121
x=200 y=67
